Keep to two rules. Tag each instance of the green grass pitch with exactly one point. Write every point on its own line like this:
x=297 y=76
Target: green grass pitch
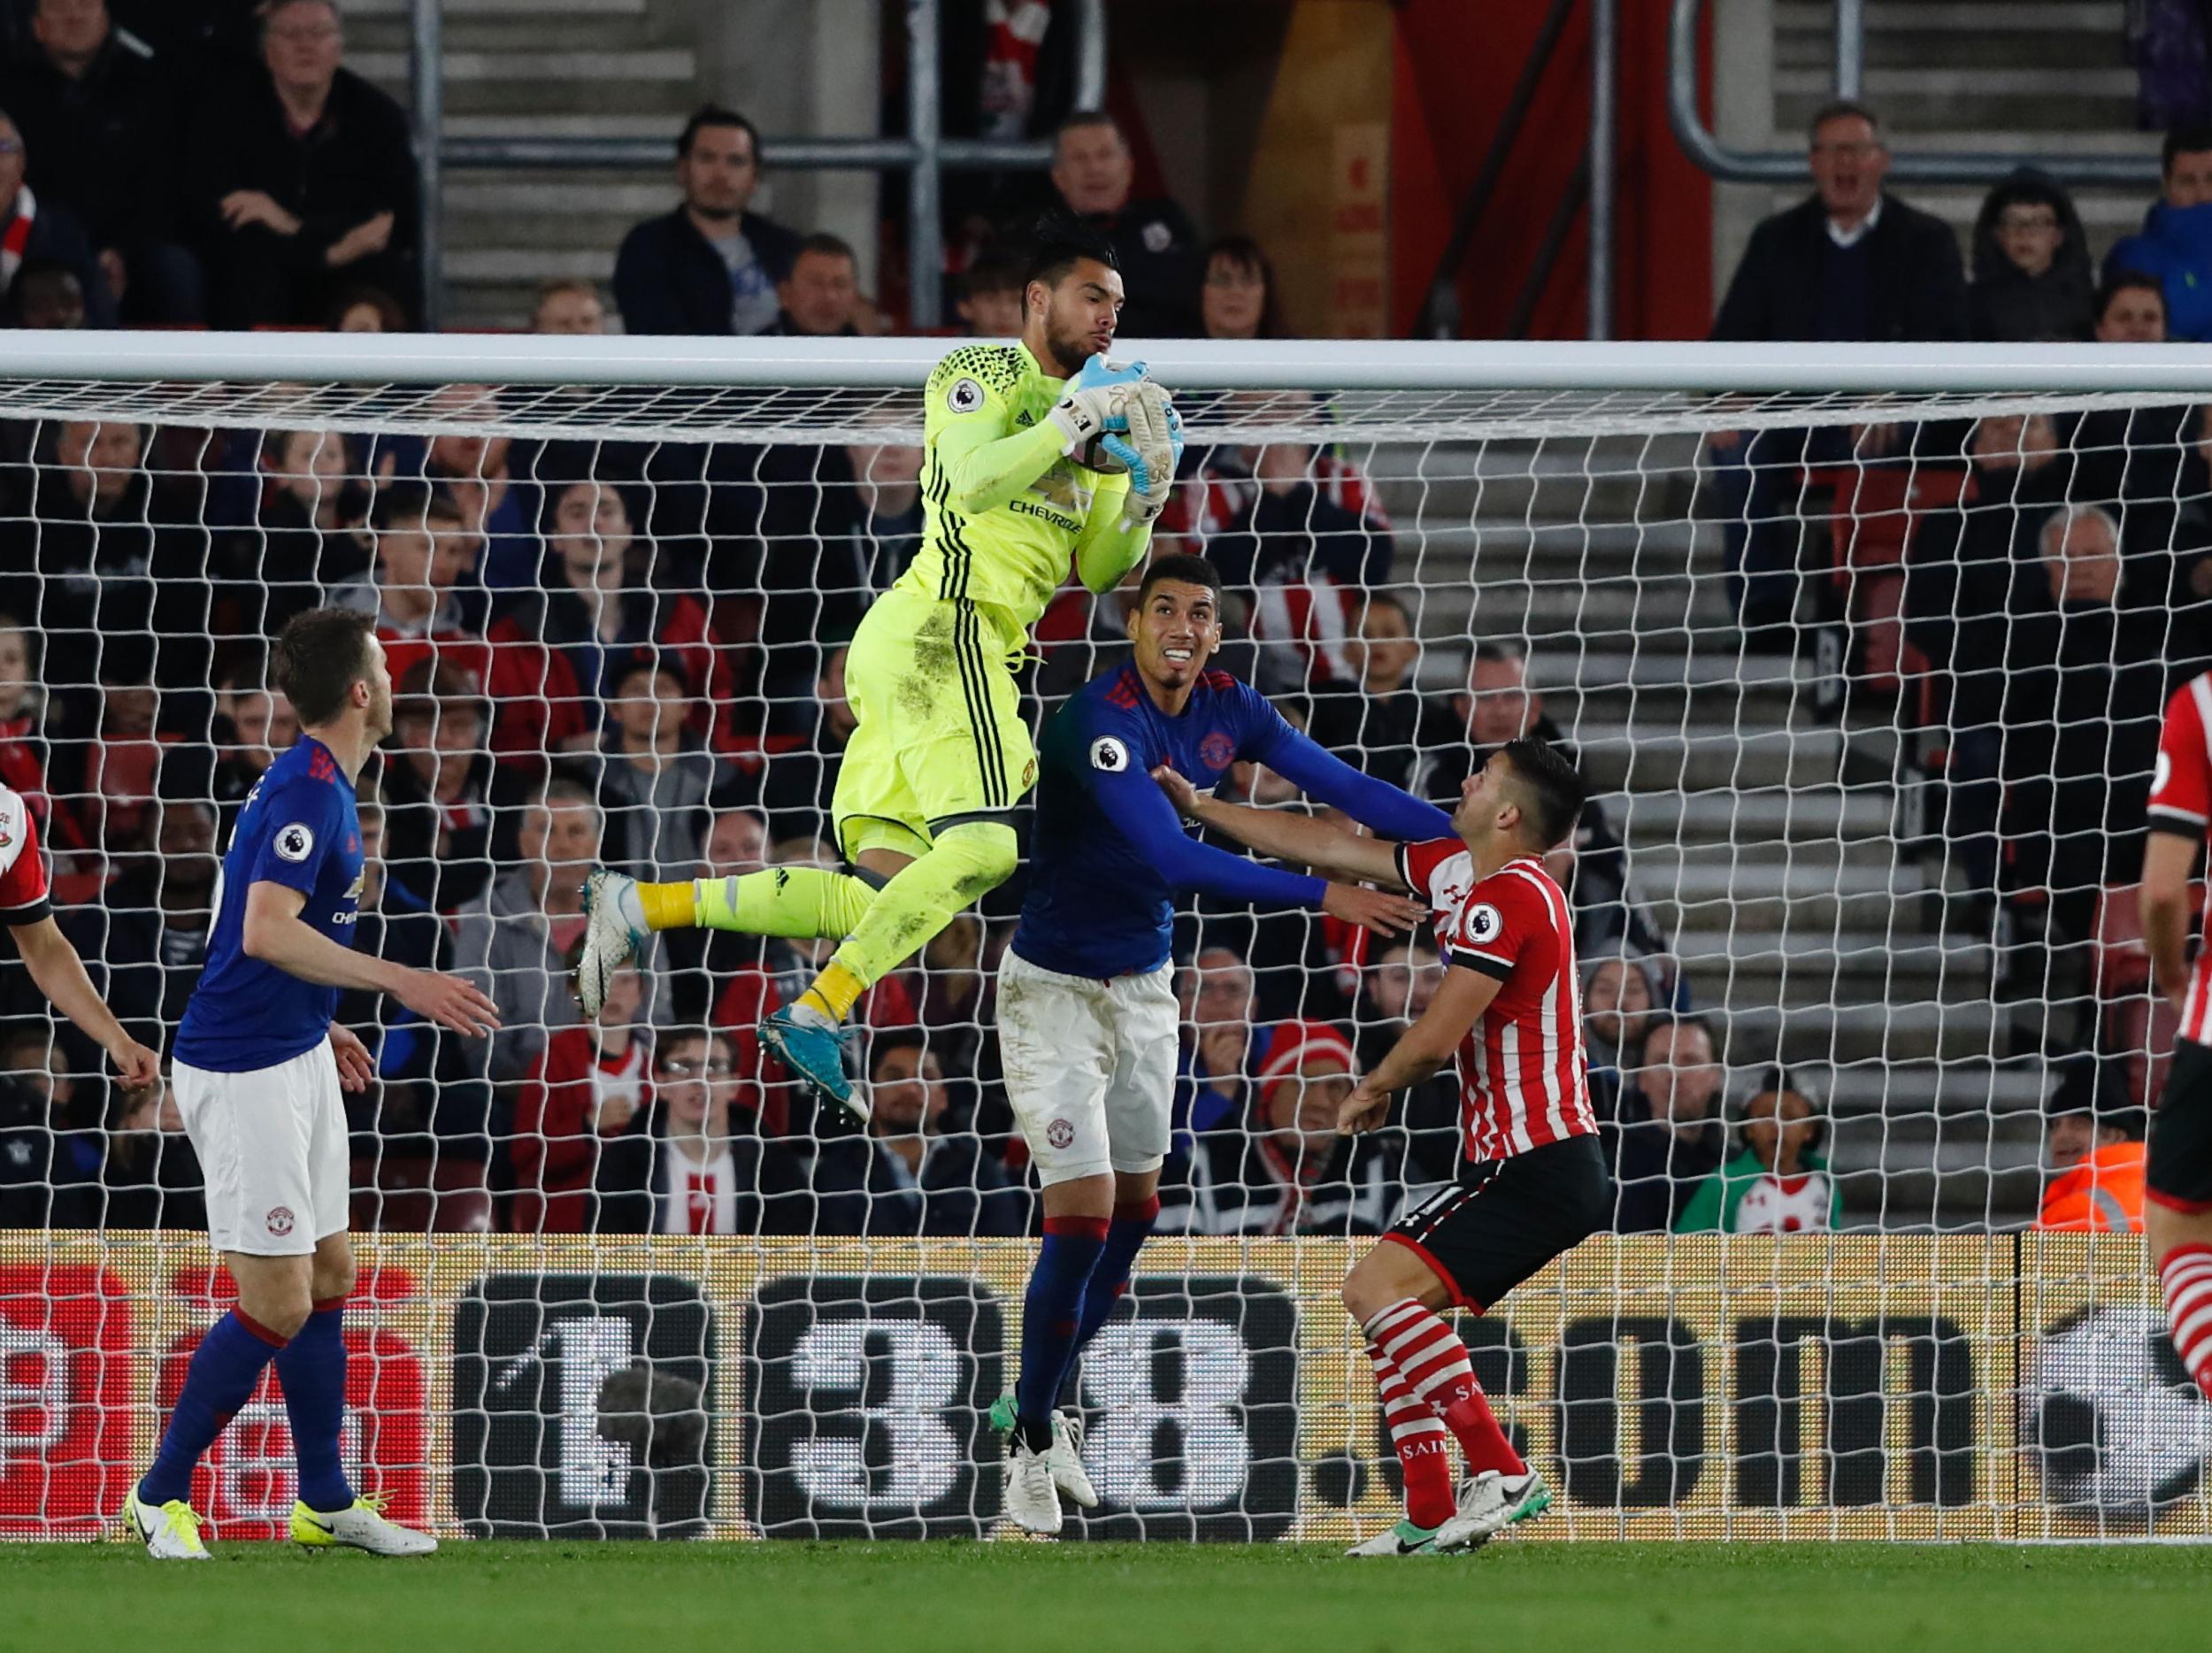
x=1031 y=1598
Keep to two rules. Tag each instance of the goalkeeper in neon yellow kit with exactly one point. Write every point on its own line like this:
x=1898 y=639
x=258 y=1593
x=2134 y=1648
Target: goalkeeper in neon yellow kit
x=925 y=799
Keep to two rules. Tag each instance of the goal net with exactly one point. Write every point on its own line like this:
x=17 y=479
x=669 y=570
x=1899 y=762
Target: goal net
x=1864 y=655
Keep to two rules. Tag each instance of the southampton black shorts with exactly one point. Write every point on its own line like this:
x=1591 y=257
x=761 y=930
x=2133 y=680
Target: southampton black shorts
x=2179 y=1174
x=1505 y=1218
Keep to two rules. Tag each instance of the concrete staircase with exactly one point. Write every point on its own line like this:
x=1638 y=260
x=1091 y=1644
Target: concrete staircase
x=539 y=68
x=1761 y=838
x=2024 y=77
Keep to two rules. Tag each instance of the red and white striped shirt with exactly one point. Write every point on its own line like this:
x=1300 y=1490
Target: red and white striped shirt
x=23 y=889
x=2181 y=800
x=1521 y=1066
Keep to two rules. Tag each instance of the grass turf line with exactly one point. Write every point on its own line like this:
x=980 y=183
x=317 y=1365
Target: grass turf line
x=889 y=1598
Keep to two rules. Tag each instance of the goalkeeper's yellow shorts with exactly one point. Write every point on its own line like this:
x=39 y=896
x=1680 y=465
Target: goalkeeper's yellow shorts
x=941 y=738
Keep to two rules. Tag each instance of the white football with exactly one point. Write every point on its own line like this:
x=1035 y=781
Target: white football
x=1094 y=456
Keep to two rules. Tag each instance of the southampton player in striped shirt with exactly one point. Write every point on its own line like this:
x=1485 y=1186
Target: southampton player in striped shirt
x=1087 y=1011
x=257 y=1068
x=1532 y=1181
x=2177 y=1179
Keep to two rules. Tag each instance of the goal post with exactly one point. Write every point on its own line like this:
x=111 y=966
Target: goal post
x=1858 y=647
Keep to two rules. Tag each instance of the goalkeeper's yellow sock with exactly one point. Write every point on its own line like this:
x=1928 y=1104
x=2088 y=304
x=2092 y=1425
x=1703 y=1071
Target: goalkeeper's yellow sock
x=805 y=901
x=965 y=863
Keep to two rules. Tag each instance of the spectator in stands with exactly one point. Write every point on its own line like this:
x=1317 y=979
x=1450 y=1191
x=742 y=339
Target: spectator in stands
x=1621 y=989
x=23 y=752
x=366 y=310
x=712 y=267
x=1395 y=991
x=102 y=115
x=43 y=233
x=48 y=296
x=1239 y=300
x=150 y=1177
x=908 y=1175
x=593 y=605
x=2175 y=244
x=2098 y=1160
x=1849 y=263
x=990 y=301
x=1498 y=706
x=305 y=180
x=1668 y=1135
x=658 y=781
x=306 y=541
x=430 y=1096
x=1290 y=1171
x=802 y=781
x=499 y=512
x=692 y=1161
x=1779 y=1183
x=450 y=809
x=570 y=306
x=2033 y=282
x=36 y=1183
x=585 y=1086
x=252 y=725
x=1373 y=722
x=516 y=936
x=1156 y=245
x=2130 y=308
x=144 y=942
x=820 y=299
x=956 y=996
x=1218 y=1004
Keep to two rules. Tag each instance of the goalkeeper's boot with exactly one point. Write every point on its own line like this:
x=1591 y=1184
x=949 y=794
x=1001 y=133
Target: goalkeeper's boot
x=1491 y=1502
x=1405 y=1539
x=361 y=1528
x=1066 y=1456
x=614 y=933
x=171 y=1531
x=813 y=1048
x=1032 y=1502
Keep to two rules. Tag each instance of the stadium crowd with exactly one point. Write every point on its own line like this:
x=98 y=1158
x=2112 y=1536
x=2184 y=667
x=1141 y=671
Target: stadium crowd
x=631 y=654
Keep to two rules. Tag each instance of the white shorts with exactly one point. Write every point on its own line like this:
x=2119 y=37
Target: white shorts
x=272 y=1148
x=1090 y=1067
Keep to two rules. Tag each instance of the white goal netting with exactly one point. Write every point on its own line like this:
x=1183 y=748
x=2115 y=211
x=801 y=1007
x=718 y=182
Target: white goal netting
x=1866 y=683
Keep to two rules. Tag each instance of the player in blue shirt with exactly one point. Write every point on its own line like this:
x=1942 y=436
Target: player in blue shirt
x=258 y=1067
x=1087 y=1011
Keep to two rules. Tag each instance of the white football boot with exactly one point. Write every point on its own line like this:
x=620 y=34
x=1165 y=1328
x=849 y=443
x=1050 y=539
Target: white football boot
x=1066 y=1458
x=361 y=1528
x=614 y=933
x=1032 y=1502
x=1404 y=1539
x=171 y=1531
x=1491 y=1502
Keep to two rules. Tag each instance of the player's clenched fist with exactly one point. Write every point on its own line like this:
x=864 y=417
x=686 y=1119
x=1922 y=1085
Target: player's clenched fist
x=1363 y=1110
x=450 y=1002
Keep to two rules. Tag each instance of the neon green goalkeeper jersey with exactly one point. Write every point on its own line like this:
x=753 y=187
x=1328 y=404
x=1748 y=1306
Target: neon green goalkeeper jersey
x=1002 y=510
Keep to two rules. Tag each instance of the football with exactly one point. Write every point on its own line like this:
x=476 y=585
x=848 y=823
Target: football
x=2115 y=1426
x=1093 y=456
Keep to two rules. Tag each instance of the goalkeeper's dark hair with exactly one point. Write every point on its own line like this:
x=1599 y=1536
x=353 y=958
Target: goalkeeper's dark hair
x=1184 y=569
x=1060 y=242
x=319 y=656
x=1555 y=791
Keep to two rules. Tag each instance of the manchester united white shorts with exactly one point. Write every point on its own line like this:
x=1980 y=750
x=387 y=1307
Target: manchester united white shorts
x=1090 y=1067
x=272 y=1148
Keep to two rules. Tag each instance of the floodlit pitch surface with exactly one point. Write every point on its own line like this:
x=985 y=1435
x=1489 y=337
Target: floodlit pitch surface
x=964 y=1598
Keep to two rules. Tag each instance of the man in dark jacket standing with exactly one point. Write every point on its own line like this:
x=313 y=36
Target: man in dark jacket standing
x=1156 y=245
x=1848 y=265
x=710 y=266
x=307 y=181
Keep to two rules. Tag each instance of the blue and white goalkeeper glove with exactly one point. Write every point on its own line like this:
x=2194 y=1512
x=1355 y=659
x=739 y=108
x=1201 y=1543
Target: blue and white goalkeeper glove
x=1150 y=451
x=1092 y=402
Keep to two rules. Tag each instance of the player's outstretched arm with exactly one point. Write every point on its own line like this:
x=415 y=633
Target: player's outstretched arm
x=1111 y=543
x=275 y=933
x=59 y=974
x=1386 y=810
x=1423 y=1048
x=1330 y=850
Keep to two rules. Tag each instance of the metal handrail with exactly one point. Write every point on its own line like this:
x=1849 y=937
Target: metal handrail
x=923 y=152
x=1779 y=166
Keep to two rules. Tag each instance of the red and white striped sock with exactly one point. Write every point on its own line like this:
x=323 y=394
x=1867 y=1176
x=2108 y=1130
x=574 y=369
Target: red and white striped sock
x=1437 y=1369
x=1419 y=1436
x=2185 y=1274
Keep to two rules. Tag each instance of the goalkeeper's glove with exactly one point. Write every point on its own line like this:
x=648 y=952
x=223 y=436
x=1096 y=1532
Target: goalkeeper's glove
x=1150 y=452
x=1090 y=406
